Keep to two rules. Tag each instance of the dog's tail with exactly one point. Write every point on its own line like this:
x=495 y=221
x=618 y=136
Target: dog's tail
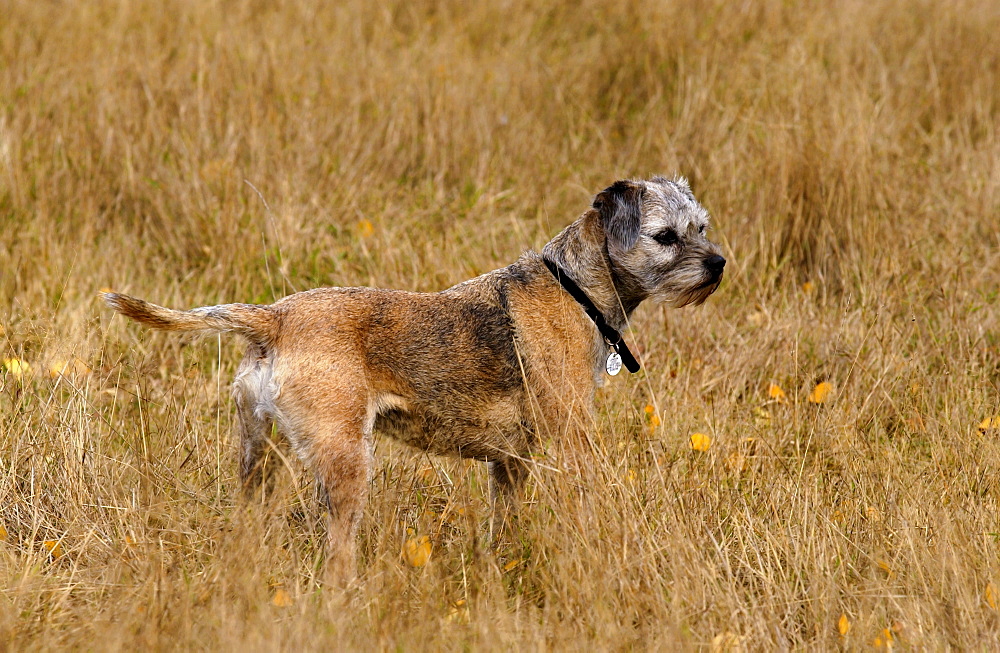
x=256 y=323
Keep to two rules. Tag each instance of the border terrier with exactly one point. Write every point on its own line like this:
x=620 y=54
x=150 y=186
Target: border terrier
x=483 y=370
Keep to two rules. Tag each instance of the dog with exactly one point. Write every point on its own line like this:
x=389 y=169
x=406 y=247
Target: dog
x=481 y=370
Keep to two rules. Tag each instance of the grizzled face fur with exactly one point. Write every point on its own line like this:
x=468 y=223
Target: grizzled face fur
x=656 y=233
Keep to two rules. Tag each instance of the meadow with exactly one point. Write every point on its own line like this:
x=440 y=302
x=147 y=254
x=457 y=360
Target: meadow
x=809 y=460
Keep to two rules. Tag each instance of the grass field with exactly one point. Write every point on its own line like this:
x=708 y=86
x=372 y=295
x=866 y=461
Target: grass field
x=202 y=152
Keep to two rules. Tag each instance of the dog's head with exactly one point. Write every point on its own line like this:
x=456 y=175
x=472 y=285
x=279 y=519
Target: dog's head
x=655 y=231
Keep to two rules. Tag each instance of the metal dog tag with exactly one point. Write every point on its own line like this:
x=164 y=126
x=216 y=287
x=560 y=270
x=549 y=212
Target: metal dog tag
x=614 y=363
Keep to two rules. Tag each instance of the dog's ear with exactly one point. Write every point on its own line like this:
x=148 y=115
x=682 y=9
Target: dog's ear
x=620 y=208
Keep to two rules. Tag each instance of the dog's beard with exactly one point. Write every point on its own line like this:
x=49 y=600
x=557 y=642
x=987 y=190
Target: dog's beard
x=694 y=289
x=697 y=296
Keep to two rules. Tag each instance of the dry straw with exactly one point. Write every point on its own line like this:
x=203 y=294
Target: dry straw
x=850 y=156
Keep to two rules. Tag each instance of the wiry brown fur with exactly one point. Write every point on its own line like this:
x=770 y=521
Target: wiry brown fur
x=480 y=370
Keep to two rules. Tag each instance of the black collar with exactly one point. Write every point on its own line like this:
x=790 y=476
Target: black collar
x=610 y=334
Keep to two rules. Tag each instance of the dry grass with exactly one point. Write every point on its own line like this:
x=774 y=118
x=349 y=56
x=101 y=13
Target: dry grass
x=849 y=152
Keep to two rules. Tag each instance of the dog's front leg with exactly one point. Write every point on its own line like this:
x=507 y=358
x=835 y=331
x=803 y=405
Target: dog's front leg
x=507 y=476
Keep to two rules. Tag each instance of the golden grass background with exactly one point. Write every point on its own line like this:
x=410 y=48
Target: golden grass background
x=201 y=152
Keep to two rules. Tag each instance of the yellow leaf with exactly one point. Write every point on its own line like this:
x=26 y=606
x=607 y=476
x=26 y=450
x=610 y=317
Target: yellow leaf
x=282 y=598
x=736 y=461
x=417 y=551
x=843 y=625
x=726 y=642
x=428 y=475
x=58 y=367
x=631 y=476
x=991 y=595
x=459 y=612
x=700 y=442
x=884 y=566
x=16 y=367
x=63 y=367
x=990 y=424
x=365 y=228
x=512 y=564
x=3 y=533
x=652 y=419
x=808 y=287
x=775 y=392
x=54 y=547
x=761 y=416
x=820 y=393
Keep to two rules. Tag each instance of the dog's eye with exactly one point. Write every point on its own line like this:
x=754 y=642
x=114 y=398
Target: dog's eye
x=666 y=237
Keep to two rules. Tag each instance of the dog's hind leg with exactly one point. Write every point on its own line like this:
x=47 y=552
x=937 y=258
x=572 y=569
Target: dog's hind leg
x=252 y=392
x=254 y=435
x=340 y=455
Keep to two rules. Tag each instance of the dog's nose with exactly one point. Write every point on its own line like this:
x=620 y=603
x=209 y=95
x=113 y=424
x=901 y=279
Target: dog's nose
x=715 y=263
